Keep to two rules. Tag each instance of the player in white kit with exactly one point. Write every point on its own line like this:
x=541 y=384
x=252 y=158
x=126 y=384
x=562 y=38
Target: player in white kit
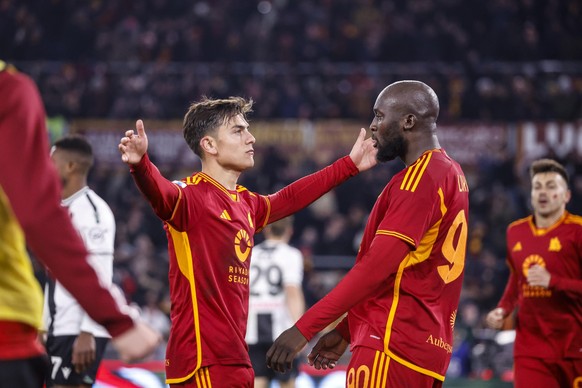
x=276 y=298
x=75 y=343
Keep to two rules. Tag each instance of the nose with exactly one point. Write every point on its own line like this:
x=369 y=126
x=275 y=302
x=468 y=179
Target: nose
x=251 y=139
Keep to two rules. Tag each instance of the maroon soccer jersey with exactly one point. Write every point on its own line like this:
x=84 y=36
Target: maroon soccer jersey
x=210 y=235
x=549 y=321
x=405 y=302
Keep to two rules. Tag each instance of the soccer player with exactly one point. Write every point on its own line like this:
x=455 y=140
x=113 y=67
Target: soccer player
x=210 y=222
x=402 y=294
x=544 y=254
x=75 y=343
x=30 y=210
x=276 y=300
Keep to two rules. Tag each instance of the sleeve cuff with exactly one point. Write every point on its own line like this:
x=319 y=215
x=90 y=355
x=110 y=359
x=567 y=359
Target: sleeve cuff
x=350 y=165
x=145 y=160
x=343 y=329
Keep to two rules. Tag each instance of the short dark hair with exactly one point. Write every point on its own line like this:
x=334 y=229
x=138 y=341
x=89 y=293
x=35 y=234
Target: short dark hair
x=79 y=146
x=280 y=227
x=548 y=165
x=208 y=114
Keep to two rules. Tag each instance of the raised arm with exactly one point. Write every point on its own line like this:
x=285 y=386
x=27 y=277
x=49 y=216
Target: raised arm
x=304 y=191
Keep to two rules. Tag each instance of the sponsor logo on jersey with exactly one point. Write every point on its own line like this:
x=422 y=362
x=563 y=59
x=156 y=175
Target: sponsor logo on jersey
x=242 y=245
x=530 y=261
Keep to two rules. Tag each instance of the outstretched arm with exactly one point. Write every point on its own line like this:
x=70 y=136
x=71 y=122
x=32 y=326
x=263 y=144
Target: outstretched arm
x=59 y=247
x=304 y=191
x=371 y=271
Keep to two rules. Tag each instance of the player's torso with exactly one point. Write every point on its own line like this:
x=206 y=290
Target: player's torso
x=95 y=223
x=20 y=294
x=557 y=249
x=549 y=321
x=209 y=277
x=415 y=314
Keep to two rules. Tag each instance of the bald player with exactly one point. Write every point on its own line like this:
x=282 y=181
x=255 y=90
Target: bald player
x=402 y=294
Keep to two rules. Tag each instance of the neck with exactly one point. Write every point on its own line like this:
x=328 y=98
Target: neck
x=73 y=185
x=546 y=221
x=224 y=176
x=419 y=146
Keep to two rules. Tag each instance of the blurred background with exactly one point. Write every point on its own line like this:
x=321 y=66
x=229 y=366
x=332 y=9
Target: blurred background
x=508 y=74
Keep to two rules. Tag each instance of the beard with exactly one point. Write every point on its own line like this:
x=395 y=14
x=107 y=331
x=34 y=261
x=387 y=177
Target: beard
x=393 y=148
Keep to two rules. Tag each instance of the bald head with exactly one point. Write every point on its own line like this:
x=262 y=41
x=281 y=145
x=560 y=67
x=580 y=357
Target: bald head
x=411 y=97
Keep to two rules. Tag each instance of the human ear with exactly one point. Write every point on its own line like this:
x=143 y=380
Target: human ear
x=408 y=122
x=208 y=145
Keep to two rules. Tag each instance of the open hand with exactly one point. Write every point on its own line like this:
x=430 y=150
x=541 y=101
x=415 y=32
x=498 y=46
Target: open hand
x=134 y=146
x=363 y=152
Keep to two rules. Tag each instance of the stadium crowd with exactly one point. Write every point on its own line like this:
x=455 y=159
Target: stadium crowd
x=498 y=61
x=495 y=60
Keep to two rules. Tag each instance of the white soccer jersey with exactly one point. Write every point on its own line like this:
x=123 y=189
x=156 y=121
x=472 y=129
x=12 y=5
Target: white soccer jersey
x=274 y=265
x=94 y=221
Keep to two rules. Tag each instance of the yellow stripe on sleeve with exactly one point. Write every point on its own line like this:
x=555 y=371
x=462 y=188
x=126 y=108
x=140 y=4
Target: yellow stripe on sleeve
x=401 y=236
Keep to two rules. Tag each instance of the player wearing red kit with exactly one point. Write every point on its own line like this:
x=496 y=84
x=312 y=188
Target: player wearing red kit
x=402 y=294
x=210 y=223
x=30 y=210
x=544 y=253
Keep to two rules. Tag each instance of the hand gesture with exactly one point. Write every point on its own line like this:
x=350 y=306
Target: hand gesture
x=327 y=351
x=133 y=147
x=363 y=152
x=84 y=349
x=495 y=318
x=538 y=276
x=283 y=351
x=136 y=343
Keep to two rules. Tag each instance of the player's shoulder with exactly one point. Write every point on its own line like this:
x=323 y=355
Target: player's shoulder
x=519 y=223
x=428 y=170
x=242 y=190
x=573 y=219
x=195 y=180
x=17 y=83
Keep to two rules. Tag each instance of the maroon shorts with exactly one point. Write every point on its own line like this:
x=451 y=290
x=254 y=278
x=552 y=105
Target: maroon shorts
x=215 y=376
x=536 y=372
x=373 y=368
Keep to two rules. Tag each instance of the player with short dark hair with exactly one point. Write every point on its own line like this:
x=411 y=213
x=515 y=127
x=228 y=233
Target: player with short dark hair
x=402 y=294
x=276 y=299
x=75 y=343
x=30 y=213
x=544 y=254
x=210 y=222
